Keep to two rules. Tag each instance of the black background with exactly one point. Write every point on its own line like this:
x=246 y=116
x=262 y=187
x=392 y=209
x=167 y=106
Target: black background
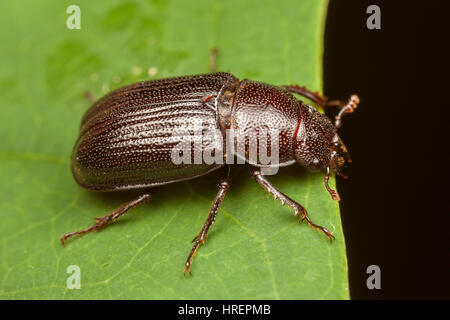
x=395 y=210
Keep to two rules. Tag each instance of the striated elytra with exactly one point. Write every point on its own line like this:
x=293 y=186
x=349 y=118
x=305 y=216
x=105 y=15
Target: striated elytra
x=135 y=136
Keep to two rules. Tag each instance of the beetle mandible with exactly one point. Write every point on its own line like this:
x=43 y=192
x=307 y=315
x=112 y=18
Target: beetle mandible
x=126 y=138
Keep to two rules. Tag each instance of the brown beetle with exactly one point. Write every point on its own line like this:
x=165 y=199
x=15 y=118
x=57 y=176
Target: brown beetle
x=127 y=138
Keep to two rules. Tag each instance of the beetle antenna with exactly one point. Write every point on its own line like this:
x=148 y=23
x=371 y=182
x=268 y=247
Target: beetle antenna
x=351 y=105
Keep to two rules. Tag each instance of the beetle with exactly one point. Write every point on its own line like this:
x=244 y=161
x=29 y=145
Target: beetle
x=127 y=138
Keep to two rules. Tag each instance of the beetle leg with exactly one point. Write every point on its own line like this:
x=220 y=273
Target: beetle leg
x=315 y=97
x=277 y=194
x=349 y=107
x=334 y=195
x=107 y=219
x=223 y=186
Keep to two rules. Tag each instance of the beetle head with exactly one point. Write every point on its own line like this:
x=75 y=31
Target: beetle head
x=317 y=145
x=313 y=139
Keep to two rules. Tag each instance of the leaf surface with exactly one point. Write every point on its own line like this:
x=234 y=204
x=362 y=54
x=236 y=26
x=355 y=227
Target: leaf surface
x=256 y=249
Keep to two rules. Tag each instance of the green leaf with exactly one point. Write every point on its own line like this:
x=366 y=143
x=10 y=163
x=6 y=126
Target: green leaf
x=256 y=249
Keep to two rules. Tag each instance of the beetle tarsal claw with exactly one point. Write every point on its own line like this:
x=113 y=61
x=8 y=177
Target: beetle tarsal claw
x=318 y=228
x=335 y=196
x=187 y=268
